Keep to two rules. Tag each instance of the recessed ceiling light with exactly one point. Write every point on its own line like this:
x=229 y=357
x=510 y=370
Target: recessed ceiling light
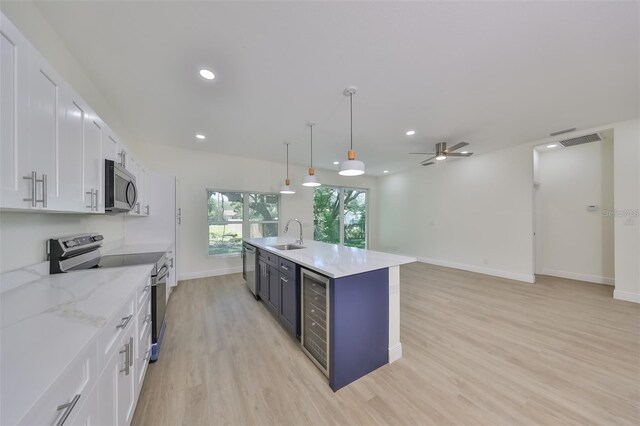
x=553 y=145
x=464 y=152
x=336 y=162
x=205 y=73
x=410 y=132
x=385 y=171
x=200 y=136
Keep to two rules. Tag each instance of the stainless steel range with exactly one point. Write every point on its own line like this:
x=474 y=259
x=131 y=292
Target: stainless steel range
x=81 y=252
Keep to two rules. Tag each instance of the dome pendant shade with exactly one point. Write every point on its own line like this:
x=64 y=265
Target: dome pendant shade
x=311 y=179
x=286 y=188
x=351 y=167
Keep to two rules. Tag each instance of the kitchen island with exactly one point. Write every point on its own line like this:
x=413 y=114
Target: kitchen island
x=349 y=299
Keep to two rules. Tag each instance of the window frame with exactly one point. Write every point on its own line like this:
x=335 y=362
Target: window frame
x=341 y=190
x=246 y=222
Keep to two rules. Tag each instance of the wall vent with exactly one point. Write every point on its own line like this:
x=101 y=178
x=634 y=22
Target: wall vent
x=593 y=137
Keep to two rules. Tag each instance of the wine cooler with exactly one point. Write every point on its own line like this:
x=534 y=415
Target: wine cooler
x=314 y=294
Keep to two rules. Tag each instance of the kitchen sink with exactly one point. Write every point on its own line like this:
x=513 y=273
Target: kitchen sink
x=287 y=247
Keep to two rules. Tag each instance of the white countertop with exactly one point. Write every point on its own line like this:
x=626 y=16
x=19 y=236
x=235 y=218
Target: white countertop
x=133 y=248
x=46 y=323
x=332 y=260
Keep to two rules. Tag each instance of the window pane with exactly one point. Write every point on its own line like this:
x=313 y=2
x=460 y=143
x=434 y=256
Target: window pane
x=260 y=230
x=225 y=207
x=263 y=207
x=326 y=215
x=225 y=239
x=355 y=216
x=224 y=213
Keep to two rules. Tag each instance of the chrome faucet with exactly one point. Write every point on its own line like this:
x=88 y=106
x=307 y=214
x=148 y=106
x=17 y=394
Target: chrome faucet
x=286 y=229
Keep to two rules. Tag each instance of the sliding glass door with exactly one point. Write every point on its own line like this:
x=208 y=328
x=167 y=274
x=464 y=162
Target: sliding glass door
x=340 y=216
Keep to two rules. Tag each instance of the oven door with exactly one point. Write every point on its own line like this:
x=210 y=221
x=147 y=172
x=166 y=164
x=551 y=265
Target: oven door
x=158 y=308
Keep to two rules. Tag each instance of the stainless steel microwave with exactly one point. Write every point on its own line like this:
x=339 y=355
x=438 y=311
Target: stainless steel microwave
x=120 y=191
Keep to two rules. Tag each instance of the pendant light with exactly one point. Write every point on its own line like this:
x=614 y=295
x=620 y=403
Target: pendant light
x=351 y=167
x=287 y=188
x=311 y=179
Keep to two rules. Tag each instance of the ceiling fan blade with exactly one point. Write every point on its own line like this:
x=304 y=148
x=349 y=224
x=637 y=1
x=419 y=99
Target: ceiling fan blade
x=426 y=164
x=459 y=154
x=427 y=159
x=423 y=153
x=457 y=146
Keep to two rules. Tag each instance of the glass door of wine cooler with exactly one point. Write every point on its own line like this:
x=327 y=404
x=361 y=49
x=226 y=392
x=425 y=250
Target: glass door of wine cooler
x=315 y=318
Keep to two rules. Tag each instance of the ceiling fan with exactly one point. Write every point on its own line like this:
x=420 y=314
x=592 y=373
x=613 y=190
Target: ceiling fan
x=442 y=152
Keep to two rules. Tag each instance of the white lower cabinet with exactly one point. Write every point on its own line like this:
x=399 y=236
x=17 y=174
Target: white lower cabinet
x=102 y=384
x=65 y=397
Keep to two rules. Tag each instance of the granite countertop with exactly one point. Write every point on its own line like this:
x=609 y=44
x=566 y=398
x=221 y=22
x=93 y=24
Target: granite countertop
x=132 y=248
x=47 y=322
x=332 y=260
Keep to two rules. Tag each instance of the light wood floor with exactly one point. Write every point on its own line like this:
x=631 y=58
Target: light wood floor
x=477 y=350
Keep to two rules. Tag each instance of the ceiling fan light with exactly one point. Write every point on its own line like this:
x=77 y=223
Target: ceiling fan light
x=441 y=157
x=351 y=168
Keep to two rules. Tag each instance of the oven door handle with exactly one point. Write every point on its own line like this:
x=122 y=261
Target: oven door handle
x=162 y=273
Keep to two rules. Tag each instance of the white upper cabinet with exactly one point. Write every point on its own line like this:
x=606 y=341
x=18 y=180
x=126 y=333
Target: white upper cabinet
x=71 y=151
x=46 y=114
x=14 y=127
x=52 y=145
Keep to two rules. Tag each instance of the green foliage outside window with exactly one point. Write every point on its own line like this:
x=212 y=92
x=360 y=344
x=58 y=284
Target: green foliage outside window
x=328 y=219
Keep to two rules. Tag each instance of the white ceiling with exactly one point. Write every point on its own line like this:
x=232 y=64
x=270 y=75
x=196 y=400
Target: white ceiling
x=492 y=74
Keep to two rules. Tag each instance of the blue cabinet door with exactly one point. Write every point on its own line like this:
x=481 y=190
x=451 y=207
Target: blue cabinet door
x=289 y=303
x=263 y=280
x=274 y=288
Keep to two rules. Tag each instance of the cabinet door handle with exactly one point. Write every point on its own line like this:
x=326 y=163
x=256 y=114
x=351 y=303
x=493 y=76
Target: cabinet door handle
x=284 y=267
x=131 y=351
x=43 y=181
x=147 y=207
x=284 y=279
x=97 y=200
x=68 y=408
x=32 y=178
x=171 y=261
x=124 y=322
x=125 y=351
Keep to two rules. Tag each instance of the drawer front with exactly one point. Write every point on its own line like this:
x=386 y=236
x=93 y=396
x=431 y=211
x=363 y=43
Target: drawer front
x=112 y=333
x=143 y=293
x=287 y=267
x=70 y=388
x=269 y=257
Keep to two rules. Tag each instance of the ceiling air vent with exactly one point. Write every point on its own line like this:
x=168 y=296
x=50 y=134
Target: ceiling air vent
x=593 y=137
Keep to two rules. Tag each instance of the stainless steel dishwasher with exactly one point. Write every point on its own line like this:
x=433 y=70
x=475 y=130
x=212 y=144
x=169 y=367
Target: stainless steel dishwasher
x=249 y=267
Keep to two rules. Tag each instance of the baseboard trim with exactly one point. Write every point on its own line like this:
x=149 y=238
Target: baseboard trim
x=527 y=278
x=580 y=277
x=210 y=273
x=627 y=296
x=395 y=353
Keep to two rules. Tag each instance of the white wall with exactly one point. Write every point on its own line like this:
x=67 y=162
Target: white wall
x=577 y=243
x=198 y=170
x=23 y=236
x=473 y=213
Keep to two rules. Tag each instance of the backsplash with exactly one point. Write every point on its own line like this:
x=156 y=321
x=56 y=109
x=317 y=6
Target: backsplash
x=23 y=236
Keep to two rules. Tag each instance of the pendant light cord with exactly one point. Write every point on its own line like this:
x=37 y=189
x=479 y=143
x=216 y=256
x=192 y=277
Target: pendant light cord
x=311 y=128
x=351 y=107
x=287 y=161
